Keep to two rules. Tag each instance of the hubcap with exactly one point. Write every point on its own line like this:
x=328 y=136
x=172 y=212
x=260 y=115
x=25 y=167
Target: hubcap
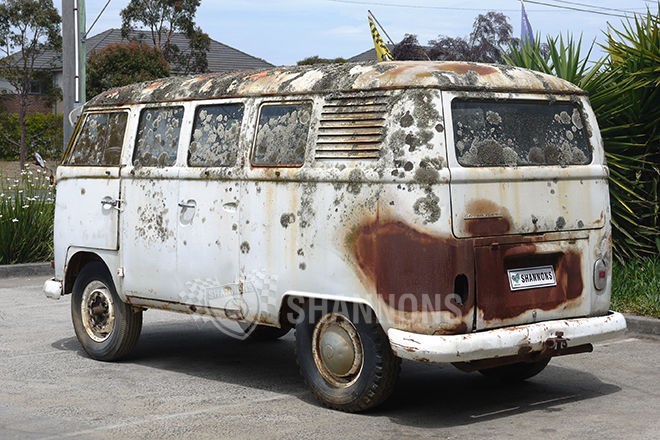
x=337 y=349
x=97 y=311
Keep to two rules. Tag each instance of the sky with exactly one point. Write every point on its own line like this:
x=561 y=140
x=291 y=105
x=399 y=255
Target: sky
x=283 y=32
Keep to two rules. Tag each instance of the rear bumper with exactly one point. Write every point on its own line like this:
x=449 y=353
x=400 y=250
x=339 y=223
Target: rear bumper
x=508 y=341
x=53 y=289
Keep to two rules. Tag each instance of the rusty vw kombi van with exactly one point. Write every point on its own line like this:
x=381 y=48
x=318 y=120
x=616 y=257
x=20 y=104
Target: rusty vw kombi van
x=433 y=211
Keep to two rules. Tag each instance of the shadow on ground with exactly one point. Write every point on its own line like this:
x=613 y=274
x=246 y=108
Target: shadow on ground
x=427 y=395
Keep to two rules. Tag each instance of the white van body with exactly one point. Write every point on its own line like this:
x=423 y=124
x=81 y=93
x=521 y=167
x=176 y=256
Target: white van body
x=465 y=204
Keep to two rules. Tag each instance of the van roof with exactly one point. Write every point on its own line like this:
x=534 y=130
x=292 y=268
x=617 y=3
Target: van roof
x=348 y=77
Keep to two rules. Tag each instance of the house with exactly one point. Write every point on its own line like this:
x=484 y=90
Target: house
x=367 y=55
x=220 y=57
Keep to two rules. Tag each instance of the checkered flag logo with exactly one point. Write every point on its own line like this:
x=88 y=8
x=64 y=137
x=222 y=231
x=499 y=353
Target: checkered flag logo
x=227 y=304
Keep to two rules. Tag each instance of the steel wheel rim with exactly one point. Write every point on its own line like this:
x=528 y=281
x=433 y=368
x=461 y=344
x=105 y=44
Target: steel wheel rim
x=337 y=350
x=97 y=311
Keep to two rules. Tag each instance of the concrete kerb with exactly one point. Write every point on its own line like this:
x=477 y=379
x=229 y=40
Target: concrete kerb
x=636 y=324
x=25 y=270
x=643 y=324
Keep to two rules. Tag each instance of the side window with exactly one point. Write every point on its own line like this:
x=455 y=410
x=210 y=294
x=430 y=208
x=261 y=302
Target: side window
x=100 y=140
x=215 y=136
x=158 y=137
x=282 y=135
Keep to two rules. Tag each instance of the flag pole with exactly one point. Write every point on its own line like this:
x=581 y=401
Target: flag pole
x=380 y=26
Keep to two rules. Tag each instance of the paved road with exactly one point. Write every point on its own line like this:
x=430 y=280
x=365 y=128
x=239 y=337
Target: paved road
x=187 y=380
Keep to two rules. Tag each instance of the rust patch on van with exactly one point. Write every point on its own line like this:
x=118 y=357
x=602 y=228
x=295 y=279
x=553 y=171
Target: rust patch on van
x=463 y=68
x=485 y=218
x=412 y=270
x=498 y=301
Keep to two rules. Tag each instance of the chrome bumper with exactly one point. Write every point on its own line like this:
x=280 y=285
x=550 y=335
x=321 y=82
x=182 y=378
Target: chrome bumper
x=508 y=341
x=53 y=289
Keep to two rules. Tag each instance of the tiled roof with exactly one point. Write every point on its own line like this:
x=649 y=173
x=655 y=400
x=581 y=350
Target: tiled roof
x=369 y=55
x=221 y=58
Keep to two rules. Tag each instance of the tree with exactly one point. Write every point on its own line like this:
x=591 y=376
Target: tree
x=490 y=32
x=448 y=48
x=309 y=61
x=409 y=49
x=164 y=18
x=121 y=64
x=27 y=29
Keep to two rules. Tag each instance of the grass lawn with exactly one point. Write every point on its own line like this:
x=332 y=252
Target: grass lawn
x=636 y=287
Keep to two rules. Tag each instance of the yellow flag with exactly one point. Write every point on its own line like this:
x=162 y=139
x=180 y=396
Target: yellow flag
x=382 y=52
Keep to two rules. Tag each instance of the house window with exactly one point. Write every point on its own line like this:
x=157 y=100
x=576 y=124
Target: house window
x=282 y=135
x=99 y=141
x=36 y=87
x=215 y=136
x=158 y=137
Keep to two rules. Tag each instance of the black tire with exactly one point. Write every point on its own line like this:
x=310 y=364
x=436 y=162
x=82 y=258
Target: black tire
x=258 y=332
x=362 y=387
x=516 y=372
x=103 y=337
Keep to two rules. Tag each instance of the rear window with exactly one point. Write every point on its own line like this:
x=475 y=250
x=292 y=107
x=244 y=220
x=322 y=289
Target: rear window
x=100 y=140
x=519 y=133
x=158 y=137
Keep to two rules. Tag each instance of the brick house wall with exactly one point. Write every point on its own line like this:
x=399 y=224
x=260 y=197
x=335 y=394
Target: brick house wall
x=36 y=104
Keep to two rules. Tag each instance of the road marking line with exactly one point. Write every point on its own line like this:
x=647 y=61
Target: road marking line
x=161 y=418
x=557 y=399
x=495 y=412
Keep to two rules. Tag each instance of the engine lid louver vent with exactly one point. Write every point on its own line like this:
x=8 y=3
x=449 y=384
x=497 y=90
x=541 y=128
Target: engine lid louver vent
x=352 y=126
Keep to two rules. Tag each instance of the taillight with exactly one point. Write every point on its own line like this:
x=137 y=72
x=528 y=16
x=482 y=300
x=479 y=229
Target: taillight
x=600 y=274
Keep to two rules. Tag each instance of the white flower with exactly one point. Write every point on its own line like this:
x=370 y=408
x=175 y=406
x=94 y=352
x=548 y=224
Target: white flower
x=26 y=206
x=15 y=220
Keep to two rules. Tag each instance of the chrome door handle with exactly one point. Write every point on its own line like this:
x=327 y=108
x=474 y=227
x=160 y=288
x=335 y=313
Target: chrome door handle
x=109 y=203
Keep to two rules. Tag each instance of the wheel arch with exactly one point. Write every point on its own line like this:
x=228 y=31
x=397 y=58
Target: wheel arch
x=293 y=302
x=78 y=259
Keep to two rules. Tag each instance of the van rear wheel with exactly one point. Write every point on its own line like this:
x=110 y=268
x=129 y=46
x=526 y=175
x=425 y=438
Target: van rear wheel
x=345 y=356
x=106 y=327
x=516 y=372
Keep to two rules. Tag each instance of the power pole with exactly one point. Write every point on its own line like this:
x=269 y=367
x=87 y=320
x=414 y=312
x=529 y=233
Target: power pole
x=74 y=57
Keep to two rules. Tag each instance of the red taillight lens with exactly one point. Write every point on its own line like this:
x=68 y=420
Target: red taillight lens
x=600 y=274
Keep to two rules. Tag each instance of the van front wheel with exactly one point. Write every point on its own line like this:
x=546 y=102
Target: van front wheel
x=106 y=327
x=345 y=357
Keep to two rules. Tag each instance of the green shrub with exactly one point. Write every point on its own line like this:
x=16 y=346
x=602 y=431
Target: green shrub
x=27 y=207
x=44 y=135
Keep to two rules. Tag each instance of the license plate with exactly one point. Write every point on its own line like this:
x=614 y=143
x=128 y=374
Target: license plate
x=532 y=277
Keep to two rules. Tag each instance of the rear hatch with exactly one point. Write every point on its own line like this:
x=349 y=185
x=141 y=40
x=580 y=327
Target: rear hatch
x=525 y=191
